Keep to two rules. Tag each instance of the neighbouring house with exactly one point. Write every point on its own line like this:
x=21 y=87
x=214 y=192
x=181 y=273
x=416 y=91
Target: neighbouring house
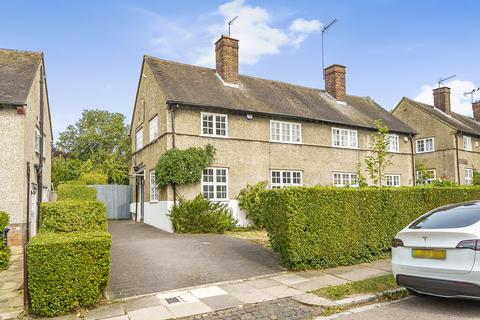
x=447 y=143
x=25 y=160
x=287 y=134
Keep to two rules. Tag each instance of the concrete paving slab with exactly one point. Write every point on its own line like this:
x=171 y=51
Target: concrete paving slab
x=281 y=291
x=262 y=283
x=105 y=311
x=289 y=278
x=308 y=285
x=362 y=274
x=157 y=313
x=329 y=280
x=141 y=303
x=188 y=308
x=246 y=293
x=310 y=273
x=207 y=292
x=385 y=265
x=312 y=299
x=124 y=317
x=222 y=302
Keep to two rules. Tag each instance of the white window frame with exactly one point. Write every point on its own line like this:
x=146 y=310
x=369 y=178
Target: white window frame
x=153 y=187
x=394 y=178
x=467 y=143
x=215 y=127
x=153 y=128
x=215 y=183
x=139 y=139
x=424 y=141
x=283 y=125
x=342 y=180
x=393 y=142
x=284 y=175
x=37 y=141
x=349 y=140
x=469 y=176
x=429 y=180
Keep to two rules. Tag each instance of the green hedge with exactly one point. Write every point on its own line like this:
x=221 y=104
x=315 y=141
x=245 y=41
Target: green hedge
x=320 y=227
x=75 y=192
x=67 y=270
x=4 y=251
x=73 y=215
x=94 y=178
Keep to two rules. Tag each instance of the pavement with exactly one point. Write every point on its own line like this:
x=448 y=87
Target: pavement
x=417 y=307
x=147 y=260
x=11 y=286
x=285 y=295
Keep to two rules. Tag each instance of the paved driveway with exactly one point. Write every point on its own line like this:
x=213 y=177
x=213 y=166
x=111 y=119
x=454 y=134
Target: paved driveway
x=147 y=260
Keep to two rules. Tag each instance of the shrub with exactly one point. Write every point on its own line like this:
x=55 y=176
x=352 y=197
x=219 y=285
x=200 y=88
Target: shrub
x=476 y=178
x=4 y=250
x=443 y=183
x=73 y=215
x=201 y=215
x=67 y=270
x=94 y=178
x=183 y=166
x=248 y=200
x=76 y=192
x=320 y=227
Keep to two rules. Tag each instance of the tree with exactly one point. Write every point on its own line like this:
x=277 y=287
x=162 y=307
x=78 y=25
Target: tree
x=424 y=176
x=100 y=141
x=379 y=159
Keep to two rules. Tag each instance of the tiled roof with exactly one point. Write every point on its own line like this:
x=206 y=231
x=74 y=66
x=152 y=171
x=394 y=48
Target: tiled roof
x=198 y=86
x=17 y=71
x=460 y=122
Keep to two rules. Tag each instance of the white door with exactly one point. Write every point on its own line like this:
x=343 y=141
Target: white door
x=33 y=214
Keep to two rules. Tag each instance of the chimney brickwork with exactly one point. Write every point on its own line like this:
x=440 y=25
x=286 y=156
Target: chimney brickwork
x=226 y=56
x=476 y=110
x=335 y=82
x=441 y=99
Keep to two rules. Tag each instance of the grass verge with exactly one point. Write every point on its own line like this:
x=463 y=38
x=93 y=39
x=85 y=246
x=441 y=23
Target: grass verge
x=258 y=236
x=371 y=285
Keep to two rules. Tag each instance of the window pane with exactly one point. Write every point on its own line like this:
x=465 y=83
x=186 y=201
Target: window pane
x=207 y=124
x=207 y=175
x=221 y=192
x=275 y=129
x=353 y=139
x=221 y=175
x=286 y=132
x=208 y=192
x=287 y=178
x=454 y=216
x=296 y=135
x=221 y=126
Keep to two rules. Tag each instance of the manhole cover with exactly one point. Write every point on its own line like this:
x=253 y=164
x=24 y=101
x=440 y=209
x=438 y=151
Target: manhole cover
x=172 y=300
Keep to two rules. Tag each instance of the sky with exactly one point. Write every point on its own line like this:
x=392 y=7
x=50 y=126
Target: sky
x=391 y=48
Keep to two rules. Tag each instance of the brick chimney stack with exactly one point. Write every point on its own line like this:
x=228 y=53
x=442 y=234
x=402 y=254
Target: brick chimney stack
x=476 y=110
x=335 y=82
x=441 y=99
x=226 y=56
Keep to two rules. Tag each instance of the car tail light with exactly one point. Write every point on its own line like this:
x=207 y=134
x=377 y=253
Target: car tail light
x=397 y=243
x=469 y=244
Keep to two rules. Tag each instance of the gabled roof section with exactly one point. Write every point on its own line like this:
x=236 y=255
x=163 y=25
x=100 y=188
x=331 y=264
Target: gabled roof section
x=17 y=71
x=198 y=86
x=455 y=120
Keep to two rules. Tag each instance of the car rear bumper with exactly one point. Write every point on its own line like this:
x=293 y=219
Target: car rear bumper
x=437 y=287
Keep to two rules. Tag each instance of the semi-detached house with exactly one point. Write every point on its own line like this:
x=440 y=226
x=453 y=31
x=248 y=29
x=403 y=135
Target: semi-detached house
x=286 y=134
x=447 y=143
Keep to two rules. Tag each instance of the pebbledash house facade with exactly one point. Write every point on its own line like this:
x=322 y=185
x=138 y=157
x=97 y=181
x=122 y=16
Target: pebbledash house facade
x=447 y=143
x=286 y=134
x=25 y=142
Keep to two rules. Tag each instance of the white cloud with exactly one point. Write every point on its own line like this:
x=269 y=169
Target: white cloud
x=460 y=103
x=305 y=26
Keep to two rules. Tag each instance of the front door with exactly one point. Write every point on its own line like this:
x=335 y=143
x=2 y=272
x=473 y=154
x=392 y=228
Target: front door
x=140 y=181
x=33 y=212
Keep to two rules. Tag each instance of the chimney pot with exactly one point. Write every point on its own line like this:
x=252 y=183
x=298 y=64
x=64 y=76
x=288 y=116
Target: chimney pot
x=335 y=82
x=226 y=58
x=441 y=99
x=476 y=110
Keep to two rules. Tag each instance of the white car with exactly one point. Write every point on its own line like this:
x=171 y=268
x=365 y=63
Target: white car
x=439 y=253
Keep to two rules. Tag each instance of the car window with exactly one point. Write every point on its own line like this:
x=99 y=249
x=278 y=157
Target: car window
x=458 y=216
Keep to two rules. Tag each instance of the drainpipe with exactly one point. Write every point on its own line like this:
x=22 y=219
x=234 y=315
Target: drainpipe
x=457 y=160
x=414 y=173
x=40 y=161
x=172 y=116
x=26 y=295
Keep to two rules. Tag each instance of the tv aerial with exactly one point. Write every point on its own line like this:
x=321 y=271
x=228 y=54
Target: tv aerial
x=441 y=81
x=324 y=30
x=471 y=93
x=230 y=22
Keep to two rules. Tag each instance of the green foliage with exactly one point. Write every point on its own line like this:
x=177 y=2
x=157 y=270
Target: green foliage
x=321 y=227
x=76 y=182
x=73 y=215
x=248 y=200
x=91 y=178
x=379 y=159
x=443 y=183
x=67 y=270
x=100 y=138
x=201 y=215
x=65 y=169
x=476 y=178
x=76 y=192
x=423 y=174
x=4 y=251
x=183 y=166
x=362 y=181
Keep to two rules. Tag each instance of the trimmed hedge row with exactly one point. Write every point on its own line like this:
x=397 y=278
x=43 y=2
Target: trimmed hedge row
x=76 y=192
x=67 y=270
x=73 y=215
x=4 y=250
x=321 y=227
